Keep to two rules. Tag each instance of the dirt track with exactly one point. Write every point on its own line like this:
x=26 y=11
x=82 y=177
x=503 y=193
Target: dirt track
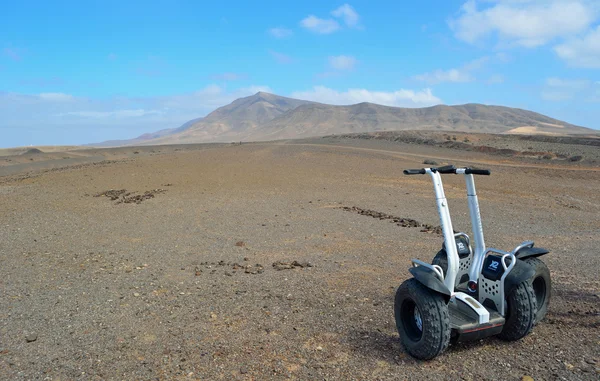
x=182 y=285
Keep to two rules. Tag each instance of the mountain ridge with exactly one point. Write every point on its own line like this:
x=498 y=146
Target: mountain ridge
x=266 y=116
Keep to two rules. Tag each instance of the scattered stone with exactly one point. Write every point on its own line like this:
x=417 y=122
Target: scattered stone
x=197 y=271
x=240 y=244
x=31 y=337
x=136 y=294
x=400 y=221
x=279 y=265
x=243 y=370
x=124 y=197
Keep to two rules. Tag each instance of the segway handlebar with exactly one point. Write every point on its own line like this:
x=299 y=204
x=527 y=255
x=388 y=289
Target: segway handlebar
x=470 y=171
x=449 y=169
x=415 y=171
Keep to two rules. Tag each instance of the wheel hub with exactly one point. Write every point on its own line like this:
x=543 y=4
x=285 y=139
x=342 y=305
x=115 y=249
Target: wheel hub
x=418 y=320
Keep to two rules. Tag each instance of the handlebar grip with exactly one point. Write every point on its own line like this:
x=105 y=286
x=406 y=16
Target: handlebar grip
x=470 y=171
x=414 y=171
x=447 y=169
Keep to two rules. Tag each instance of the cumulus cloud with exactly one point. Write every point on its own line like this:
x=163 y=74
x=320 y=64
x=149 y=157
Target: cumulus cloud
x=280 y=32
x=319 y=26
x=582 y=52
x=462 y=74
x=342 y=62
x=398 y=98
x=524 y=23
x=348 y=14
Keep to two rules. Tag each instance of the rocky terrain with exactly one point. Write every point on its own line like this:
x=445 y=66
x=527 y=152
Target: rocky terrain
x=276 y=260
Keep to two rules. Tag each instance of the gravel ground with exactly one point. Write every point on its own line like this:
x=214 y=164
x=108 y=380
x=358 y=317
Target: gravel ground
x=250 y=262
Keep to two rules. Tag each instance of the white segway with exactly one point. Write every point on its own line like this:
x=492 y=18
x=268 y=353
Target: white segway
x=469 y=294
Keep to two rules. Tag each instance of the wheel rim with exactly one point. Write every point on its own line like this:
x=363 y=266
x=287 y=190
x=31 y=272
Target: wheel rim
x=412 y=320
x=539 y=288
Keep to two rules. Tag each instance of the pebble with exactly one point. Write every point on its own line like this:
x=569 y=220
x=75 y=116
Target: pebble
x=31 y=337
x=243 y=370
x=527 y=378
x=136 y=294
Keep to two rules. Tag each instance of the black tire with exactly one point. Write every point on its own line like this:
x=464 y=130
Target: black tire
x=414 y=301
x=542 y=286
x=520 y=312
x=441 y=259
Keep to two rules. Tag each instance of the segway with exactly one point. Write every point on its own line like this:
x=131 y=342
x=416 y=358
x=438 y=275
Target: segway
x=466 y=293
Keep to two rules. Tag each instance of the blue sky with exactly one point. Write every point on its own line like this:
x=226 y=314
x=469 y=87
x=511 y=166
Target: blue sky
x=74 y=72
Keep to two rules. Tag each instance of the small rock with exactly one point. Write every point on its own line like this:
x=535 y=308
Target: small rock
x=527 y=378
x=31 y=337
x=136 y=294
x=569 y=366
x=243 y=370
x=319 y=348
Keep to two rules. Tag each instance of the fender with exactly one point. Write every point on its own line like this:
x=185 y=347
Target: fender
x=521 y=272
x=427 y=277
x=527 y=252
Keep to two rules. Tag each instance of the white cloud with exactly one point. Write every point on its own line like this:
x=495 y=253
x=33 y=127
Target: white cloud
x=342 y=62
x=56 y=97
x=575 y=84
x=348 y=14
x=582 y=52
x=108 y=114
x=281 y=58
x=560 y=89
x=280 y=32
x=399 y=98
x=457 y=75
x=451 y=75
x=524 y=23
x=320 y=26
x=35 y=115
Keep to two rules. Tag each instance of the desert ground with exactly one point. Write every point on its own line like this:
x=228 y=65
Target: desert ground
x=249 y=262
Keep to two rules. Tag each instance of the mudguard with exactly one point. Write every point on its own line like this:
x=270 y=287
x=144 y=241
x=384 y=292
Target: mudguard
x=521 y=272
x=429 y=279
x=527 y=252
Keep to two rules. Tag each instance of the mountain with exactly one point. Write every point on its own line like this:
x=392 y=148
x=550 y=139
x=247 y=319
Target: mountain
x=265 y=116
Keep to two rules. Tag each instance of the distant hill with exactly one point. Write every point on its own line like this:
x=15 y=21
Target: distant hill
x=265 y=116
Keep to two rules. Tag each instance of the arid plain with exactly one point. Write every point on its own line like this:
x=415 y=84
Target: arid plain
x=240 y=262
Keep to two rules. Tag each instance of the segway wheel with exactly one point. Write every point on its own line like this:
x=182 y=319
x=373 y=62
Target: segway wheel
x=542 y=286
x=521 y=309
x=422 y=320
